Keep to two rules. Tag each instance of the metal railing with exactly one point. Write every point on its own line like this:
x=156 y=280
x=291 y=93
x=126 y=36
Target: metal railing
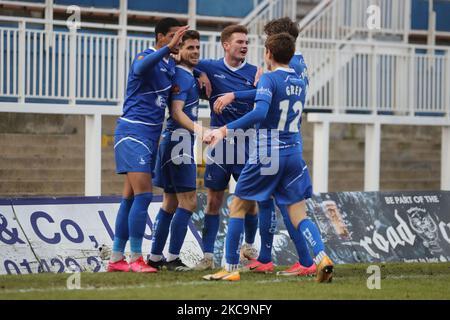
x=92 y=67
x=268 y=10
x=345 y=19
x=395 y=78
x=90 y=64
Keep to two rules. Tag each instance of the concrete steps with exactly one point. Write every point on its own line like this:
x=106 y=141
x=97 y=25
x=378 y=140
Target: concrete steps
x=52 y=164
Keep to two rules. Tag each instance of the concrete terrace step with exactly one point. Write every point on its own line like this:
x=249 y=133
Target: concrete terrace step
x=53 y=188
x=27 y=150
x=13 y=139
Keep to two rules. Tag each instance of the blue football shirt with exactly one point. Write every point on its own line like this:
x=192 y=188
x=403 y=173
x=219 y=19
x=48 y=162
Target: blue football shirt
x=225 y=78
x=147 y=97
x=185 y=89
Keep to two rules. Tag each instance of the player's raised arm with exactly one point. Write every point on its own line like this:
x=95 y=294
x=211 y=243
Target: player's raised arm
x=144 y=62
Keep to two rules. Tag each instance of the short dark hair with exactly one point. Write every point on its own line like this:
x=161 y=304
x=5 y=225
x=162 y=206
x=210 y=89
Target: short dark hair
x=164 y=25
x=282 y=47
x=228 y=32
x=191 y=34
x=281 y=25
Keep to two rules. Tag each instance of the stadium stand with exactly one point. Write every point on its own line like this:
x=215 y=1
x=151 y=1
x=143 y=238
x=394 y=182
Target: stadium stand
x=47 y=107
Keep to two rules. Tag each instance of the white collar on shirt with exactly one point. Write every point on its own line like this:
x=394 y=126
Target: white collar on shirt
x=165 y=60
x=290 y=70
x=233 y=68
x=185 y=69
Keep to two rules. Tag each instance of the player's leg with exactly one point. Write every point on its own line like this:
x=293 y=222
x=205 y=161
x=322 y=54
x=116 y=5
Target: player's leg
x=248 y=251
x=161 y=229
x=134 y=157
x=121 y=235
x=141 y=185
x=305 y=266
x=162 y=179
x=238 y=209
x=267 y=227
x=299 y=219
x=187 y=203
x=210 y=228
x=294 y=189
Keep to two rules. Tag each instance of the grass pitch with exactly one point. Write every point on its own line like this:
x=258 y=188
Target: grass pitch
x=398 y=281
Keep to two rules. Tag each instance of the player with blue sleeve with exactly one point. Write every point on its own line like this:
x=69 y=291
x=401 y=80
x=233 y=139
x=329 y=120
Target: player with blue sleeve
x=231 y=73
x=175 y=170
x=136 y=141
x=279 y=103
x=267 y=215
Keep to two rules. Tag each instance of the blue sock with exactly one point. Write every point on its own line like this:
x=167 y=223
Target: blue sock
x=121 y=228
x=267 y=228
x=251 y=225
x=160 y=231
x=178 y=229
x=137 y=220
x=312 y=235
x=234 y=240
x=304 y=257
x=210 y=229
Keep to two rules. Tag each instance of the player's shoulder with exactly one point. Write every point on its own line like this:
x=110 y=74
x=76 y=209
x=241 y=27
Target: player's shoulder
x=210 y=62
x=183 y=76
x=250 y=67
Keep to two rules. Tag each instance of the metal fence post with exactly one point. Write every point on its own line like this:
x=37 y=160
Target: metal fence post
x=21 y=66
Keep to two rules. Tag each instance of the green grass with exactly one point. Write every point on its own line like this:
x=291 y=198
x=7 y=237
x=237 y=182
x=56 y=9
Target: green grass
x=398 y=281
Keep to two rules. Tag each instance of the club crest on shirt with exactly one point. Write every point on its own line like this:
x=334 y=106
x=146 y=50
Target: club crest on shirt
x=160 y=101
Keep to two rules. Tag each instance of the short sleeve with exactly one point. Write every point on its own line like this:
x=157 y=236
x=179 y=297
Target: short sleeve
x=180 y=87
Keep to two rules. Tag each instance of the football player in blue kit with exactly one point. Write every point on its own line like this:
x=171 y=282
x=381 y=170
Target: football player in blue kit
x=279 y=100
x=136 y=141
x=267 y=215
x=175 y=170
x=231 y=73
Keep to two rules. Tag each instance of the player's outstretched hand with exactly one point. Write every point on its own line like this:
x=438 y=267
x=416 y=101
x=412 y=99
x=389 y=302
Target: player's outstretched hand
x=177 y=37
x=206 y=135
x=203 y=82
x=222 y=102
x=258 y=75
x=217 y=135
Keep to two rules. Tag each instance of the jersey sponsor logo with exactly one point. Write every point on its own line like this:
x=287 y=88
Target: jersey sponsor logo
x=221 y=76
x=264 y=91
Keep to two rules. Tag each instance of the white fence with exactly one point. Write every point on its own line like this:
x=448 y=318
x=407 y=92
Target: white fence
x=345 y=19
x=82 y=65
x=366 y=76
x=357 y=76
x=268 y=10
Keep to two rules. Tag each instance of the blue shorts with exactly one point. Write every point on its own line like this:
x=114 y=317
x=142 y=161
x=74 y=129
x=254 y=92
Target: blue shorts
x=290 y=184
x=219 y=169
x=134 y=153
x=175 y=173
